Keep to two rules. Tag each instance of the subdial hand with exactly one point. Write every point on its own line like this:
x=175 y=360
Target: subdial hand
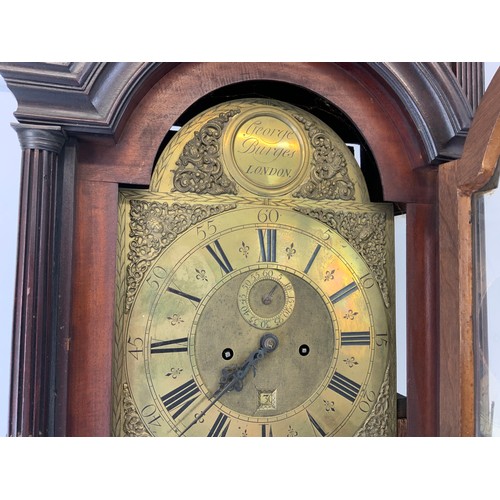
x=232 y=378
x=268 y=297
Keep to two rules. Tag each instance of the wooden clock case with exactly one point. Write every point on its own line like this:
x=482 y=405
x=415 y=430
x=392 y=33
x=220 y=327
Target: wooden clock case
x=88 y=128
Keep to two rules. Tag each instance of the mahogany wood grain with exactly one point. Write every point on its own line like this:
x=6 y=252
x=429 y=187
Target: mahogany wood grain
x=422 y=348
x=102 y=166
x=455 y=335
x=478 y=163
x=92 y=322
x=394 y=144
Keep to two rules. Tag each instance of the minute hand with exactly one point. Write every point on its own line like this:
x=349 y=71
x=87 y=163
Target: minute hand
x=232 y=378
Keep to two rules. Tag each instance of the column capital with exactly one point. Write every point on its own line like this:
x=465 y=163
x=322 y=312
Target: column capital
x=44 y=137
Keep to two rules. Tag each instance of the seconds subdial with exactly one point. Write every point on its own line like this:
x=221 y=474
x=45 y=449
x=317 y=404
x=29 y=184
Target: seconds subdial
x=266 y=299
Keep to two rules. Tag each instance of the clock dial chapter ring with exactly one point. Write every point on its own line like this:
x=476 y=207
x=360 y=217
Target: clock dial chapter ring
x=197 y=325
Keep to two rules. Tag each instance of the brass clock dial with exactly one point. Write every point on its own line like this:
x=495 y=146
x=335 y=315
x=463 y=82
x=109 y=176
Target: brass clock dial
x=254 y=286
x=205 y=305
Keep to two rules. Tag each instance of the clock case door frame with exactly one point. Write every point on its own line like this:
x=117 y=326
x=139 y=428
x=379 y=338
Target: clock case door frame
x=114 y=117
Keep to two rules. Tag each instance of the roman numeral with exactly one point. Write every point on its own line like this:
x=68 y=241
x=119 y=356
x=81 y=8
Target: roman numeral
x=311 y=260
x=218 y=429
x=355 y=338
x=220 y=257
x=266 y=430
x=188 y=296
x=344 y=386
x=344 y=292
x=181 y=397
x=267 y=242
x=176 y=345
x=315 y=424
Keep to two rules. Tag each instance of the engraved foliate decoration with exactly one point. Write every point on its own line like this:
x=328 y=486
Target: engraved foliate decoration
x=378 y=423
x=153 y=227
x=365 y=231
x=200 y=169
x=329 y=177
x=259 y=147
x=132 y=423
x=257 y=219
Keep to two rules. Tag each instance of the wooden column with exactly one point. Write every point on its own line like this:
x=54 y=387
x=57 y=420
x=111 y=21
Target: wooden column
x=34 y=351
x=422 y=325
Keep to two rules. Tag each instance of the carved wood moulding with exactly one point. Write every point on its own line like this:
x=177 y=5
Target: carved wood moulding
x=84 y=97
x=431 y=94
x=93 y=97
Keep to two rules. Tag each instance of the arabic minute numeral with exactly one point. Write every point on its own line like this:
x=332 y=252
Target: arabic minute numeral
x=150 y=416
x=206 y=229
x=367 y=402
x=268 y=215
x=157 y=277
x=137 y=346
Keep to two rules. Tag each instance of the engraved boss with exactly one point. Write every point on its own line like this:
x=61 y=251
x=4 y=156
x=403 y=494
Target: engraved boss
x=267 y=147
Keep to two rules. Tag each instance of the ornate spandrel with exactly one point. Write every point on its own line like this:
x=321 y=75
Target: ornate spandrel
x=132 y=422
x=199 y=167
x=154 y=226
x=365 y=231
x=378 y=423
x=329 y=176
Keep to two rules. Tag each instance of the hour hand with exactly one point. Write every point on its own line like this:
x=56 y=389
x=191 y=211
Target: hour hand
x=232 y=378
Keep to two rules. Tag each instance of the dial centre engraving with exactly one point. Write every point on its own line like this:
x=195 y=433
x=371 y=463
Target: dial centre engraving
x=300 y=314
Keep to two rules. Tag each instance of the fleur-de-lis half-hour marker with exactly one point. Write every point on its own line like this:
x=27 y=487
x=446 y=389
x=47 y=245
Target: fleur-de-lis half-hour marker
x=244 y=249
x=350 y=314
x=329 y=275
x=290 y=251
x=175 y=319
x=201 y=274
x=350 y=362
x=174 y=372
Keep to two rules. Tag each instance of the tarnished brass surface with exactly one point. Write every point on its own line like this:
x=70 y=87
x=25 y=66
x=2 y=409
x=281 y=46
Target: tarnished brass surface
x=266 y=298
x=259 y=147
x=267 y=150
x=211 y=260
